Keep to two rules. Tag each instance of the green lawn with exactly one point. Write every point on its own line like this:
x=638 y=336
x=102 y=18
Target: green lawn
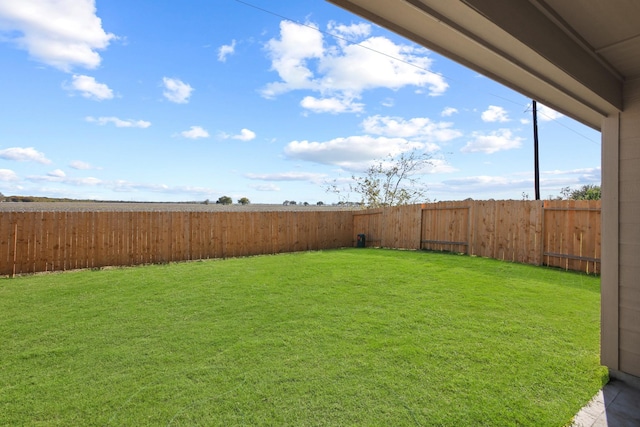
x=343 y=337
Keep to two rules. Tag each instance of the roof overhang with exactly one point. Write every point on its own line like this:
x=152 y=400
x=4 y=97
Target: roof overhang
x=523 y=44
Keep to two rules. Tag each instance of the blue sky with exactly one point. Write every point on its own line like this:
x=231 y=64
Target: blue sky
x=157 y=100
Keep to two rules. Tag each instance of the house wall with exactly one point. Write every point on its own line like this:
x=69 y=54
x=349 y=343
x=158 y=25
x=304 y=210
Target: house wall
x=621 y=236
x=629 y=261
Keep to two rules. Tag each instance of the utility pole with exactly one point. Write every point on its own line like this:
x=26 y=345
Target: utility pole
x=536 y=159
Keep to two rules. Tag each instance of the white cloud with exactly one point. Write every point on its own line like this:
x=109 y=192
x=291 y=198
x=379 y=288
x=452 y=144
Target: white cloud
x=129 y=123
x=265 y=187
x=572 y=177
x=80 y=165
x=60 y=33
x=548 y=114
x=123 y=186
x=493 y=142
x=58 y=177
x=20 y=154
x=384 y=136
x=472 y=184
x=176 y=90
x=195 y=132
x=305 y=60
x=449 y=111
x=351 y=32
x=61 y=178
x=370 y=65
x=485 y=186
x=331 y=105
x=389 y=102
x=288 y=176
x=58 y=173
x=354 y=152
x=226 y=50
x=90 y=88
x=245 y=135
x=588 y=171
x=7 y=175
x=289 y=56
x=416 y=128
x=495 y=114
x=439 y=166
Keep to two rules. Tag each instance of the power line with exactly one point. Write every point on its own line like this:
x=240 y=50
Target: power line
x=337 y=36
x=352 y=42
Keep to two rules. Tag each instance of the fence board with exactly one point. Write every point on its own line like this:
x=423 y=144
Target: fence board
x=445 y=227
x=369 y=223
x=560 y=233
x=573 y=234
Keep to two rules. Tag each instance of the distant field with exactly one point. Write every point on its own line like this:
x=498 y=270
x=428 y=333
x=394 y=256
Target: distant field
x=152 y=207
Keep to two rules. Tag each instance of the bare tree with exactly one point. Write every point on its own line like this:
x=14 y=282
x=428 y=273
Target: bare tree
x=392 y=181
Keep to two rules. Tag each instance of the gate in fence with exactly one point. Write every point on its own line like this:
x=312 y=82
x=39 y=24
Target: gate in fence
x=556 y=233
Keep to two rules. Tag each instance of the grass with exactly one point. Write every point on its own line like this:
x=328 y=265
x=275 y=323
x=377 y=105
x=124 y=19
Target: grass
x=344 y=337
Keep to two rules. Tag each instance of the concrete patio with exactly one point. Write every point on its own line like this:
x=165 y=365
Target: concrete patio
x=616 y=405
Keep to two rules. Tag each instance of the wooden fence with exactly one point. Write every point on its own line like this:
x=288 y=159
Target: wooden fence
x=33 y=242
x=556 y=233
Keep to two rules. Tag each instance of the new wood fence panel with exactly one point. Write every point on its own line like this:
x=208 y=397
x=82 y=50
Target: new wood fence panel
x=573 y=235
x=6 y=225
x=390 y=226
x=407 y=227
x=291 y=233
x=20 y=252
x=501 y=237
x=344 y=225
x=256 y=245
x=535 y=221
x=270 y=228
x=255 y=242
x=563 y=234
x=110 y=249
x=281 y=235
x=320 y=230
x=35 y=247
x=115 y=234
x=40 y=262
x=483 y=242
x=526 y=226
x=369 y=223
x=313 y=226
x=445 y=227
x=146 y=256
x=75 y=250
x=21 y=243
x=300 y=230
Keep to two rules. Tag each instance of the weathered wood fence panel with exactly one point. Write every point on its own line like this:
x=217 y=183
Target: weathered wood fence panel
x=557 y=233
x=33 y=242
